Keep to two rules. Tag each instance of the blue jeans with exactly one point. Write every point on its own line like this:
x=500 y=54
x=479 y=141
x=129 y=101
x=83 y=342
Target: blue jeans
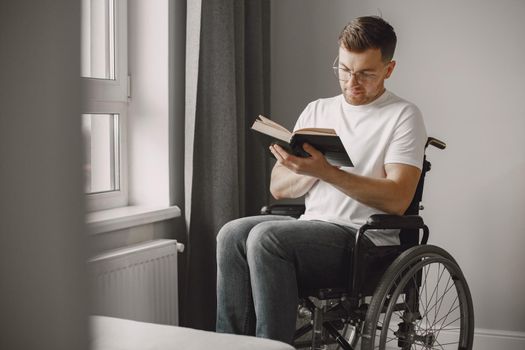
x=264 y=261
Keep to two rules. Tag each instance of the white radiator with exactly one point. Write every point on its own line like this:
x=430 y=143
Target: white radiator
x=138 y=282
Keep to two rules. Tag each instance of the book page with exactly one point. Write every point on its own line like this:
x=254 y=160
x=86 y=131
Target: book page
x=272 y=123
x=270 y=129
x=316 y=131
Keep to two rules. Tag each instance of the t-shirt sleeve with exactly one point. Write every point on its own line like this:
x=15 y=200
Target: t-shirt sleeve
x=408 y=139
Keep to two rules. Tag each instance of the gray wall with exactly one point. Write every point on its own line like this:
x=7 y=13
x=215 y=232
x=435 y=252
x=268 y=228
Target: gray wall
x=461 y=62
x=43 y=304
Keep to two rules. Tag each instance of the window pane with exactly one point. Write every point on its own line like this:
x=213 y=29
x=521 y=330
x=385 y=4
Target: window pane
x=101 y=159
x=98 y=39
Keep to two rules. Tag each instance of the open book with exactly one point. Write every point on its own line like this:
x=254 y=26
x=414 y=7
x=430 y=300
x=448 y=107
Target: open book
x=324 y=140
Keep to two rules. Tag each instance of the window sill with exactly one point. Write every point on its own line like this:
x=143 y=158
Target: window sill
x=126 y=217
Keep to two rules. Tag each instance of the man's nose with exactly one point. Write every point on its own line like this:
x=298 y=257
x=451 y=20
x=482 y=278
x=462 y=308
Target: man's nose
x=352 y=80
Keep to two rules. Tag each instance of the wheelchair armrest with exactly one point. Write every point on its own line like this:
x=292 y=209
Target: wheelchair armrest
x=293 y=210
x=387 y=221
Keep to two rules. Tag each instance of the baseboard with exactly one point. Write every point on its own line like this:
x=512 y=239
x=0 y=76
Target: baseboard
x=490 y=339
x=486 y=339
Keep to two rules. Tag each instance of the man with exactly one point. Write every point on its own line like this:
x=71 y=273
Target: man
x=264 y=261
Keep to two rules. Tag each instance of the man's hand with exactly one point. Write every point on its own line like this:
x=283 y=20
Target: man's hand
x=315 y=166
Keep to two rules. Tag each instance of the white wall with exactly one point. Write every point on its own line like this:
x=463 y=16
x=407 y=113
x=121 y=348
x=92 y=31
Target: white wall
x=461 y=62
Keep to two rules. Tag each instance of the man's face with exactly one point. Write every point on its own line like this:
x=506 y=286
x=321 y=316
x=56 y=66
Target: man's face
x=369 y=72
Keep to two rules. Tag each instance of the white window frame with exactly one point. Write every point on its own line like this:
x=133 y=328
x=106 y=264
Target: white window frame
x=110 y=96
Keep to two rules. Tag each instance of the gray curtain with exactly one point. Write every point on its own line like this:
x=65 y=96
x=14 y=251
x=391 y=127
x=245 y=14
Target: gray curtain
x=228 y=167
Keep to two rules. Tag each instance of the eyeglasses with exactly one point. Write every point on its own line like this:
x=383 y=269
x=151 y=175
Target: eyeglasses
x=345 y=75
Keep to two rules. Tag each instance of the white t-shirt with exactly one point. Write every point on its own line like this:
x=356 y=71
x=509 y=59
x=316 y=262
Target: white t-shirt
x=387 y=130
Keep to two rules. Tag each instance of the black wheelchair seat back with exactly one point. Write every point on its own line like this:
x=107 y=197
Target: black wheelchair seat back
x=374 y=261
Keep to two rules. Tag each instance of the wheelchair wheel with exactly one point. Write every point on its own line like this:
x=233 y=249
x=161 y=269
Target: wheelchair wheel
x=422 y=302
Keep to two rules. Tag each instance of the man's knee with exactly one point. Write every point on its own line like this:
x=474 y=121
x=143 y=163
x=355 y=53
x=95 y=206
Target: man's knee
x=230 y=235
x=266 y=238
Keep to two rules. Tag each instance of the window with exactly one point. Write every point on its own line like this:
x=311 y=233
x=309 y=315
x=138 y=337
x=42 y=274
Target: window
x=132 y=144
x=104 y=72
x=98 y=39
x=101 y=152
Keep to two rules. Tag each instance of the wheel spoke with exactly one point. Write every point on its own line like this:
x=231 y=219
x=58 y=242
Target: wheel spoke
x=438 y=267
x=424 y=285
x=448 y=324
x=436 y=307
x=437 y=284
x=440 y=299
x=448 y=314
x=444 y=317
x=444 y=344
x=437 y=301
x=388 y=340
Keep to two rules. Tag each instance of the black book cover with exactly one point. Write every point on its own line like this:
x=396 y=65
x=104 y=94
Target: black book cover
x=331 y=147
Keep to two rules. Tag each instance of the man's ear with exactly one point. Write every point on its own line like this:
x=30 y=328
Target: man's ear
x=390 y=68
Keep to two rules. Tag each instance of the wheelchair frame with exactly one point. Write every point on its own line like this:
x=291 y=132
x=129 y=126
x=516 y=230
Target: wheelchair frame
x=379 y=272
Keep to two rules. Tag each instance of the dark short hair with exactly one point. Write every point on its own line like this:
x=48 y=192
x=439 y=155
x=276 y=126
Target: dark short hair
x=369 y=32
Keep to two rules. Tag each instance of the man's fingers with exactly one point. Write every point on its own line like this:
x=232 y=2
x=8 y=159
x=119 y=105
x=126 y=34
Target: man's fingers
x=278 y=150
x=275 y=153
x=311 y=149
x=284 y=158
x=279 y=153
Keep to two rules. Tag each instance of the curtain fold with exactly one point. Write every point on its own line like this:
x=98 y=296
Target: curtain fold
x=228 y=167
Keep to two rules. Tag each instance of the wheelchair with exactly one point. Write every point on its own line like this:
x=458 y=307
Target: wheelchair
x=408 y=296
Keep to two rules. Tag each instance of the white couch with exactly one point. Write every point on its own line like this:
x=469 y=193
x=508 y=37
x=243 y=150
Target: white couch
x=108 y=333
